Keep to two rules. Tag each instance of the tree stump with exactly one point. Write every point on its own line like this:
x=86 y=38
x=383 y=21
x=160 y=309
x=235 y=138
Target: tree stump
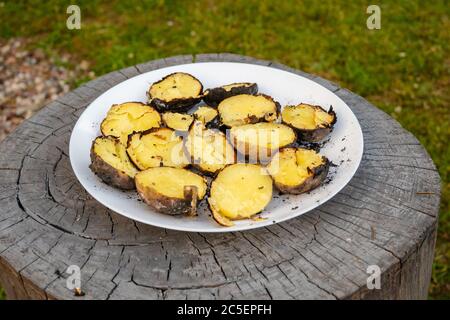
x=386 y=216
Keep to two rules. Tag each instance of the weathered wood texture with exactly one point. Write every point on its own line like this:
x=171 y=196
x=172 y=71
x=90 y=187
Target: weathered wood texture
x=386 y=216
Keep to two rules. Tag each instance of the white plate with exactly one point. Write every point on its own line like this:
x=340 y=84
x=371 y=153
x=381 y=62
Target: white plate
x=344 y=148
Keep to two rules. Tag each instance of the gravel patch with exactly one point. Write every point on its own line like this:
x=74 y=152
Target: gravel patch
x=30 y=80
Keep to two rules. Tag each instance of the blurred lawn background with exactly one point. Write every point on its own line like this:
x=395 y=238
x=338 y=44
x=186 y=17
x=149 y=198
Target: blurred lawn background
x=402 y=68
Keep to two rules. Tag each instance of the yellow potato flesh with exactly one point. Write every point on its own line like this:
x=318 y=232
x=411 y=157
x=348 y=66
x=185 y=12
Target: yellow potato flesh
x=262 y=136
x=290 y=165
x=209 y=148
x=177 y=121
x=240 y=191
x=114 y=154
x=237 y=110
x=306 y=117
x=176 y=86
x=162 y=147
x=124 y=119
x=205 y=114
x=171 y=182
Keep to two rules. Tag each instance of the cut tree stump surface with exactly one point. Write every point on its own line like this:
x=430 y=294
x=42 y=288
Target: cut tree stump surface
x=387 y=216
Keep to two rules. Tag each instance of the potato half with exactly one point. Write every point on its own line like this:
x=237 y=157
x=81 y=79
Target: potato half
x=214 y=96
x=298 y=170
x=177 y=121
x=176 y=92
x=206 y=114
x=156 y=148
x=245 y=108
x=109 y=161
x=126 y=118
x=171 y=191
x=208 y=149
x=239 y=191
x=312 y=123
x=260 y=141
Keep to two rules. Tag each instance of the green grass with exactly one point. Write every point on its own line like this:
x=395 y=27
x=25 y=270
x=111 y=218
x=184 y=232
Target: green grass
x=402 y=68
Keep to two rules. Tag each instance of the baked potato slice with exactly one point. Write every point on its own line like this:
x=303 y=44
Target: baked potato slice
x=126 y=118
x=206 y=114
x=214 y=96
x=239 y=191
x=245 y=108
x=156 y=148
x=177 y=121
x=260 y=141
x=312 y=123
x=178 y=92
x=298 y=170
x=208 y=149
x=110 y=162
x=171 y=191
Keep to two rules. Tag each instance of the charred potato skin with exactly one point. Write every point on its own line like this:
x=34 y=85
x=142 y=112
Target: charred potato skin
x=215 y=124
x=222 y=220
x=319 y=175
x=214 y=96
x=164 y=204
x=109 y=174
x=174 y=105
x=171 y=205
x=314 y=135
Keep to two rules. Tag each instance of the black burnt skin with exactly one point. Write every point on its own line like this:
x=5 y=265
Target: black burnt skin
x=318 y=134
x=175 y=105
x=316 y=146
x=331 y=172
x=178 y=104
x=215 y=96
